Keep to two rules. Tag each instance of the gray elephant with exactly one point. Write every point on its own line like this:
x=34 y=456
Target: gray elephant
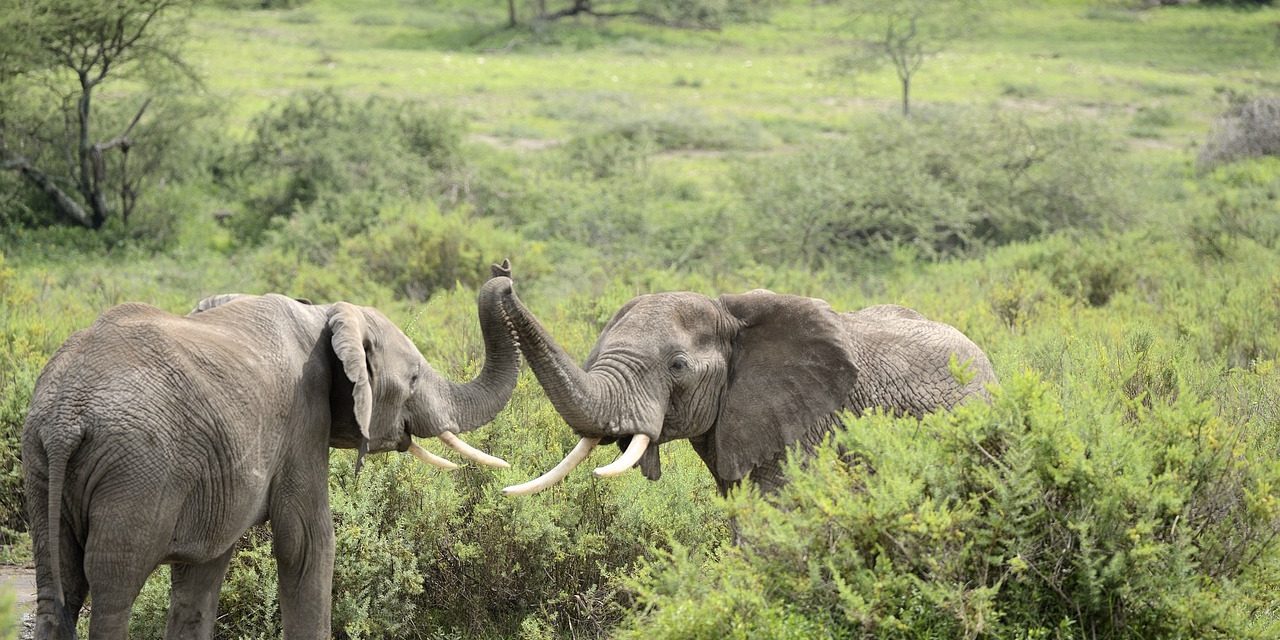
x=154 y=438
x=742 y=377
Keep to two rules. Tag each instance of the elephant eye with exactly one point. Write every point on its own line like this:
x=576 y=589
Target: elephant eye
x=679 y=363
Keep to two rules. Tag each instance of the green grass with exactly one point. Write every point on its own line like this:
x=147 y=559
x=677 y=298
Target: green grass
x=1097 y=68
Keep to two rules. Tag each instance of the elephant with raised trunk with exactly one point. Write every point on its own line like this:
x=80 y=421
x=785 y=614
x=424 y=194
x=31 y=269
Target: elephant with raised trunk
x=154 y=438
x=743 y=377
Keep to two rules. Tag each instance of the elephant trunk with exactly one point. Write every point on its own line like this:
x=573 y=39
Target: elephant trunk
x=584 y=399
x=576 y=394
x=478 y=401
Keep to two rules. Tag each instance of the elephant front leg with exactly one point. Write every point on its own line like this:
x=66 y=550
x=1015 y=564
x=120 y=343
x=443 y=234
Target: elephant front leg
x=193 y=598
x=303 y=543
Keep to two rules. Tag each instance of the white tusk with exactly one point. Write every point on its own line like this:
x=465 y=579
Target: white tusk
x=628 y=459
x=471 y=453
x=428 y=457
x=575 y=458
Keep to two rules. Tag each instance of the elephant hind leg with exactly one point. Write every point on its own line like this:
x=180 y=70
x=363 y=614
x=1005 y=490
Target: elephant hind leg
x=59 y=622
x=117 y=561
x=193 y=598
x=115 y=581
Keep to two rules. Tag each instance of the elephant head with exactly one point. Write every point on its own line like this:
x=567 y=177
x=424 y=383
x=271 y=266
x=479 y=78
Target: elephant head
x=742 y=376
x=383 y=390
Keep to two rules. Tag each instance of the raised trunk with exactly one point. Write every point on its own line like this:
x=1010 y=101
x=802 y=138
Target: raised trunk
x=574 y=393
x=477 y=402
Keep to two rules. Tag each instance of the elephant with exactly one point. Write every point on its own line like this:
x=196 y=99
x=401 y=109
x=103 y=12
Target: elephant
x=743 y=377
x=154 y=438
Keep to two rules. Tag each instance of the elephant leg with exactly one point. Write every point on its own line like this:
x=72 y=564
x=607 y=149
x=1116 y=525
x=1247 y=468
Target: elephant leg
x=302 y=541
x=117 y=561
x=54 y=622
x=193 y=597
x=115 y=579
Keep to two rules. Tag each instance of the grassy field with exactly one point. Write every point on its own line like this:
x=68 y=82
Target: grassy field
x=1067 y=56
x=1129 y=298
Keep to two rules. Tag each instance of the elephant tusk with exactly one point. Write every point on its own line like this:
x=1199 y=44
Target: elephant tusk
x=628 y=459
x=575 y=458
x=428 y=457
x=471 y=453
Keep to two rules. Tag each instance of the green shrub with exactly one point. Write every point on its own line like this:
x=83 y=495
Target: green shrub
x=319 y=146
x=407 y=251
x=1089 y=271
x=1014 y=519
x=691 y=129
x=1241 y=199
x=616 y=222
x=418 y=253
x=27 y=339
x=1148 y=121
x=609 y=154
x=943 y=186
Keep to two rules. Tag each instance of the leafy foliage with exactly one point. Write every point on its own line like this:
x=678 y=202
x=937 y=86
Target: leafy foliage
x=320 y=151
x=65 y=52
x=941 y=186
x=1016 y=518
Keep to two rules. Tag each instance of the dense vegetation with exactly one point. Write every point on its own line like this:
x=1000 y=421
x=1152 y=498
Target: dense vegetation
x=1088 y=190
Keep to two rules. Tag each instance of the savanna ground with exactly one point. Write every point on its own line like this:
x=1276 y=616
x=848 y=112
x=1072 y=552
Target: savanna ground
x=1051 y=196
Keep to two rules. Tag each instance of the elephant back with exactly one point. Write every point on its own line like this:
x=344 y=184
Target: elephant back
x=908 y=364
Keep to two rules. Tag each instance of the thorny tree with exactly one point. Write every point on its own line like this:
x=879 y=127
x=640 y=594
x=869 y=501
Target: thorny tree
x=57 y=54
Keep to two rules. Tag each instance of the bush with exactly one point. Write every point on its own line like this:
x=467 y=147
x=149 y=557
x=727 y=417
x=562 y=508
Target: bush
x=599 y=221
x=693 y=130
x=1084 y=270
x=407 y=251
x=1248 y=129
x=26 y=342
x=1241 y=199
x=1013 y=519
x=943 y=186
x=320 y=147
x=417 y=254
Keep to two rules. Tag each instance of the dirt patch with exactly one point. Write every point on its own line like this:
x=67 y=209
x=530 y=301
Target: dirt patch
x=21 y=580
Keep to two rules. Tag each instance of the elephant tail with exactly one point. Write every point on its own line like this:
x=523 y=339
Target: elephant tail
x=58 y=453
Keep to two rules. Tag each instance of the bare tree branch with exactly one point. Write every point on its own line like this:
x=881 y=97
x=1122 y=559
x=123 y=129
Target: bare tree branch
x=66 y=205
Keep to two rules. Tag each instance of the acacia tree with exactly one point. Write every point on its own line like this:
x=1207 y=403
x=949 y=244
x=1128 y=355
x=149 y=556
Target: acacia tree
x=905 y=33
x=62 y=52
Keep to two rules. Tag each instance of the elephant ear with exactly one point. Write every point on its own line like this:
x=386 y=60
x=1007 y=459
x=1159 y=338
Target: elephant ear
x=790 y=372
x=347 y=326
